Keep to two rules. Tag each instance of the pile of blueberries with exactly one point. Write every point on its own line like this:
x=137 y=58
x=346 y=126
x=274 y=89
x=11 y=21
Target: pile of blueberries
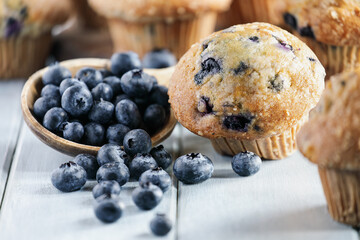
x=100 y=106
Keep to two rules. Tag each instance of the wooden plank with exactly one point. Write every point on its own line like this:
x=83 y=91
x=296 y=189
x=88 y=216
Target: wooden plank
x=10 y=122
x=284 y=200
x=34 y=209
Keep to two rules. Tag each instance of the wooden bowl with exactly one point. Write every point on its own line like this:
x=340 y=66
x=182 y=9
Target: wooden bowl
x=32 y=90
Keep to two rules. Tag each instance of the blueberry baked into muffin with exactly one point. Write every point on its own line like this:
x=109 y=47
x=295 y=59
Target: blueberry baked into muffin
x=247 y=88
x=25 y=34
x=335 y=147
x=331 y=28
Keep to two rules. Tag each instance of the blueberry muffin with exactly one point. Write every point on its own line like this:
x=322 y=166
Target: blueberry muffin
x=331 y=28
x=335 y=147
x=247 y=88
x=25 y=34
x=144 y=25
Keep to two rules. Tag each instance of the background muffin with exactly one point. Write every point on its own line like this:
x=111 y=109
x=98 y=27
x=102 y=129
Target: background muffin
x=333 y=144
x=248 y=87
x=25 y=34
x=144 y=25
x=331 y=28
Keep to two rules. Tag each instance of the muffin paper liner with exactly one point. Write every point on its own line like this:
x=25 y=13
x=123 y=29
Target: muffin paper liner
x=22 y=56
x=177 y=35
x=275 y=147
x=342 y=191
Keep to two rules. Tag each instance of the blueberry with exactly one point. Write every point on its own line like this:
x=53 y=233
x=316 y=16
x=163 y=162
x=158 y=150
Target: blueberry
x=89 y=163
x=254 y=39
x=105 y=73
x=147 y=196
x=94 y=134
x=160 y=225
x=137 y=141
x=193 y=168
x=246 y=163
x=159 y=95
x=161 y=156
x=55 y=74
x=158 y=177
x=120 y=97
x=106 y=187
x=276 y=83
x=101 y=112
x=102 y=91
x=159 y=58
x=116 y=133
x=110 y=153
x=68 y=177
x=291 y=20
x=127 y=113
x=114 y=83
x=12 y=27
x=77 y=101
x=113 y=171
x=90 y=76
x=241 y=68
x=54 y=118
x=44 y=104
x=73 y=131
x=204 y=105
x=136 y=83
x=208 y=67
x=154 y=118
x=108 y=210
x=140 y=163
x=142 y=103
x=69 y=82
x=124 y=62
x=239 y=122
x=307 y=32
x=50 y=90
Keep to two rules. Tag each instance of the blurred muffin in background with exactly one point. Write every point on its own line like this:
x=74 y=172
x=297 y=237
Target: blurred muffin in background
x=87 y=17
x=331 y=28
x=25 y=34
x=144 y=25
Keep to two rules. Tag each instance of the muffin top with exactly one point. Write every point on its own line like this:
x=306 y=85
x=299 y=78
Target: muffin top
x=246 y=82
x=149 y=10
x=31 y=17
x=334 y=22
x=331 y=138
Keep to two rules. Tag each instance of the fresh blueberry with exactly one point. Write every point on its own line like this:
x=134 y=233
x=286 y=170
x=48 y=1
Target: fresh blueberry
x=124 y=62
x=105 y=73
x=106 y=187
x=90 y=76
x=77 y=101
x=68 y=177
x=161 y=156
x=142 y=103
x=55 y=74
x=102 y=91
x=50 y=90
x=110 y=153
x=127 y=113
x=246 y=163
x=147 y=196
x=108 y=210
x=115 y=84
x=101 y=112
x=290 y=20
x=107 y=196
x=54 y=118
x=160 y=225
x=209 y=66
x=44 y=104
x=69 y=82
x=116 y=133
x=193 y=168
x=158 y=177
x=89 y=163
x=159 y=58
x=73 y=131
x=113 y=171
x=239 y=122
x=136 y=83
x=137 y=141
x=94 y=134
x=120 y=97
x=154 y=118
x=159 y=95
x=140 y=164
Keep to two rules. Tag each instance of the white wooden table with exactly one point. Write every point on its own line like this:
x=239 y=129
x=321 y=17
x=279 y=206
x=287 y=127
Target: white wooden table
x=283 y=201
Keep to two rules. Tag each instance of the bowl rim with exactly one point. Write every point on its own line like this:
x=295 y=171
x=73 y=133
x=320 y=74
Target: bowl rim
x=66 y=146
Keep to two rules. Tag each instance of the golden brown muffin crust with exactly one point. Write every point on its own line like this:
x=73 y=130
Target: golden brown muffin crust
x=331 y=138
